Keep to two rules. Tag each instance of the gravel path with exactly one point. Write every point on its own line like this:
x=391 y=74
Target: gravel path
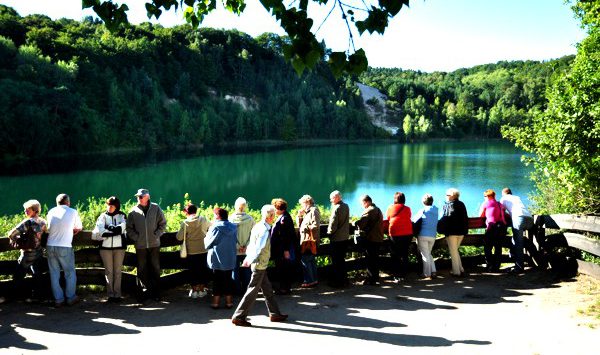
x=480 y=314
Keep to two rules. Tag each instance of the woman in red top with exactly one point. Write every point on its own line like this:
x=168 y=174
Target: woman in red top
x=401 y=234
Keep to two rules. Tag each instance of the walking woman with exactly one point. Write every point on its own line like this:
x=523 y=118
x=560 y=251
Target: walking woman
x=110 y=229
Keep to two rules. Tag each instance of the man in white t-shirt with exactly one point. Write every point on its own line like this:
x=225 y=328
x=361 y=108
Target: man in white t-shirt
x=521 y=222
x=63 y=224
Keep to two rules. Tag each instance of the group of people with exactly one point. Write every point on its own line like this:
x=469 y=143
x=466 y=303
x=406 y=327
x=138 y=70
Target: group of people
x=234 y=251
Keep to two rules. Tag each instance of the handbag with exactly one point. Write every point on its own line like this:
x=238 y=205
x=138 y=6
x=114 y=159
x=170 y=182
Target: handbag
x=309 y=245
x=385 y=226
x=416 y=226
x=183 y=250
x=442 y=225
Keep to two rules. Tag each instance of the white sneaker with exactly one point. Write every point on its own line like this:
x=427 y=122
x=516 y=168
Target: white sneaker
x=201 y=294
x=193 y=294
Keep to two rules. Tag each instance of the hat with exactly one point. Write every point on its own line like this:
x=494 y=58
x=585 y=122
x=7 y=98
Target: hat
x=142 y=192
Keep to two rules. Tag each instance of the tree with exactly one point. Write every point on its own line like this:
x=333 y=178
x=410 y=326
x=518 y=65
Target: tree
x=565 y=138
x=303 y=50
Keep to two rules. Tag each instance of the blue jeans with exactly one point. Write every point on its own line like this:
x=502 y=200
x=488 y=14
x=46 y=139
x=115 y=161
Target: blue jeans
x=520 y=225
x=62 y=257
x=309 y=268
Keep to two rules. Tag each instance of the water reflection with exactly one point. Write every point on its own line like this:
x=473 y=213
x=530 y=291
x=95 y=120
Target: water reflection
x=377 y=169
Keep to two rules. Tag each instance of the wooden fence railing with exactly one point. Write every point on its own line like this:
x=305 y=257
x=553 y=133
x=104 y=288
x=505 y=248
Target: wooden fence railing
x=562 y=237
x=90 y=269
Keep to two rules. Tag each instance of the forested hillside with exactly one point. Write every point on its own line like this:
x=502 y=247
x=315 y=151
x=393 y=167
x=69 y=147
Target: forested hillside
x=70 y=87
x=73 y=87
x=466 y=102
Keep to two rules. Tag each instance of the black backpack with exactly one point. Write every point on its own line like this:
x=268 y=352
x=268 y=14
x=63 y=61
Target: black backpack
x=25 y=240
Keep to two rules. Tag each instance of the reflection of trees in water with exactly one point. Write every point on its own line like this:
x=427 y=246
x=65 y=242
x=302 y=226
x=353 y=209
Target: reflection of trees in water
x=287 y=173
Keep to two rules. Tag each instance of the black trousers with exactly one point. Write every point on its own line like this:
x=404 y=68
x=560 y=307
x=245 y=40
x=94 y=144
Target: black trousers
x=372 y=256
x=284 y=269
x=492 y=240
x=30 y=262
x=338 y=276
x=400 y=247
x=223 y=282
x=148 y=271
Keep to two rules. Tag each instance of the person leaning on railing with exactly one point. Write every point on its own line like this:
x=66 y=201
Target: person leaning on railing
x=495 y=230
x=370 y=227
x=426 y=236
x=31 y=259
x=194 y=227
x=522 y=221
x=63 y=223
x=454 y=224
x=401 y=235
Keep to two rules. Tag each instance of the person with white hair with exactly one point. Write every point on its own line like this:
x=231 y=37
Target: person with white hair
x=244 y=223
x=522 y=221
x=309 y=223
x=455 y=225
x=257 y=259
x=339 y=233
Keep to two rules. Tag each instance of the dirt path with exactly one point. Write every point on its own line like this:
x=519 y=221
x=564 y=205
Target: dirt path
x=481 y=314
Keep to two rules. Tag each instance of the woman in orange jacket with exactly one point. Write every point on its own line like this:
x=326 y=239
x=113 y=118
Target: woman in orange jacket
x=401 y=234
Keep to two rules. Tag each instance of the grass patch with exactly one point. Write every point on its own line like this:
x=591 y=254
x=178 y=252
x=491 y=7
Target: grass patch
x=591 y=287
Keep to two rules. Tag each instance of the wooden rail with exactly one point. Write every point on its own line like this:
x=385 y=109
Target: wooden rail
x=562 y=237
x=90 y=268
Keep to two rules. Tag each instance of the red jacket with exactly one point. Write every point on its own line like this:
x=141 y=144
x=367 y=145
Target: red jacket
x=400 y=223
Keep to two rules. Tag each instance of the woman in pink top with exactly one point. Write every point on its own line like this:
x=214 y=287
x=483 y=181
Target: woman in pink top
x=493 y=211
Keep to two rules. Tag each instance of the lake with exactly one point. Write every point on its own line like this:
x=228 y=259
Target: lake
x=378 y=169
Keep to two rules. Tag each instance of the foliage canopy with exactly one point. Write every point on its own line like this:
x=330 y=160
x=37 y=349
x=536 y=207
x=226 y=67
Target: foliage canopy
x=303 y=50
x=565 y=138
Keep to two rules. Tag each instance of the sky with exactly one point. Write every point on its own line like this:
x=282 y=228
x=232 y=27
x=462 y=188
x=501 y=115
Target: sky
x=431 y=35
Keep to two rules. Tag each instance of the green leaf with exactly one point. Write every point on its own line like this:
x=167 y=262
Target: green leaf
x=303 y=4
x=392 y=6
x=89 y=3
x=298 y=65
x=377 y=21
x=337 y=63
x=357 y=62
x=153 y=11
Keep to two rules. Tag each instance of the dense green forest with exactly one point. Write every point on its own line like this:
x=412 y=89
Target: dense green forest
x=476 y=101
x=564 y=140
x=70 y=87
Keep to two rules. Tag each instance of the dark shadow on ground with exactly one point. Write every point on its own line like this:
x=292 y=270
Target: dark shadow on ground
x=322 y=310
